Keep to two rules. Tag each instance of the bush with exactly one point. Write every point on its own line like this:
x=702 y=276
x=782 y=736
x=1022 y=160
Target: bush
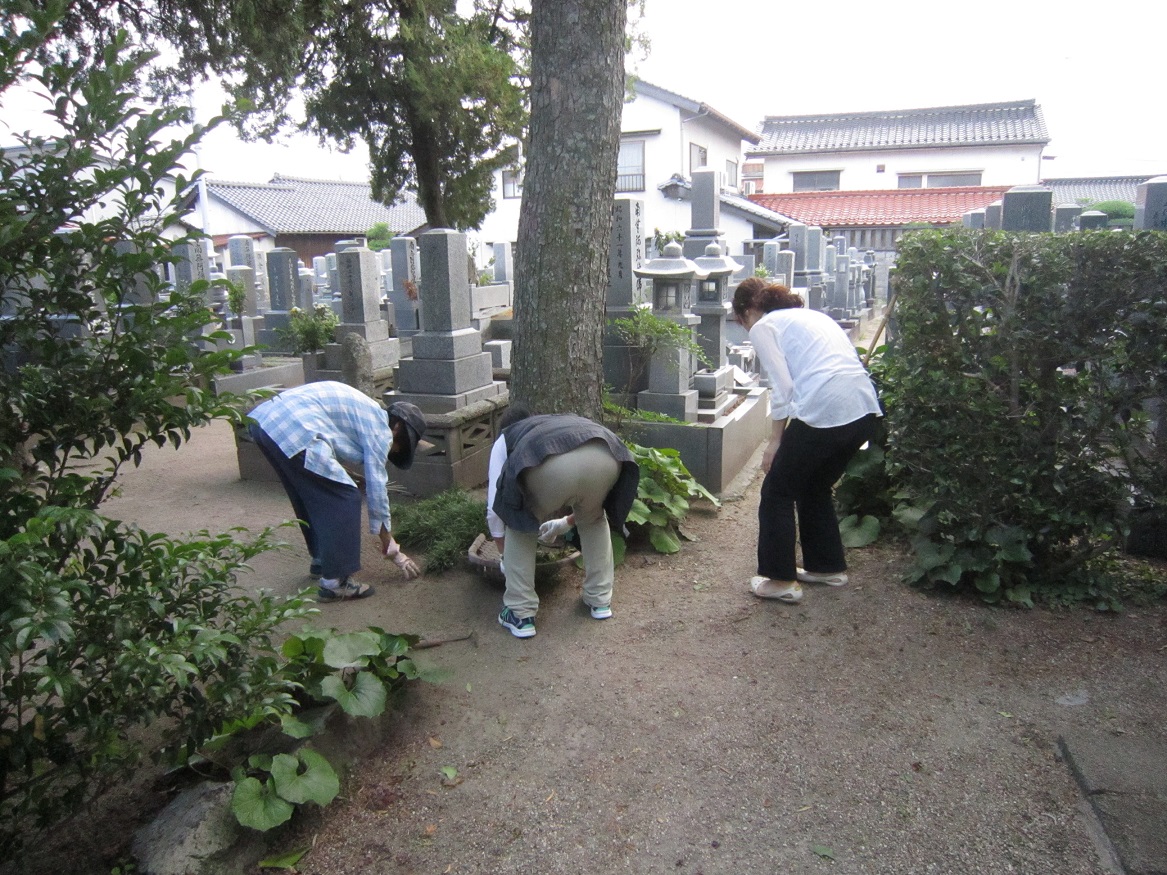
x=442 y=526
x=1018 y=441
x=310 y=331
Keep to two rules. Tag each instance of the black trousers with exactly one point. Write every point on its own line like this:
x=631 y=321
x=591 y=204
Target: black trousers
x=801 y=479
x=329 y=512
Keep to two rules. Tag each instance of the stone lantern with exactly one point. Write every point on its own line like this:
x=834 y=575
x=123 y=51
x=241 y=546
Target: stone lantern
x=714 y=385
x=670 y=371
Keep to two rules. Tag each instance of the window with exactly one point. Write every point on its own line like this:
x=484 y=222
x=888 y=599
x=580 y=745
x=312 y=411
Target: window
x=512 y=184
x=945 y=180
x=698 y=157
x=939 y=180
x=731 y=174
x=817 y=180
x=630 y=166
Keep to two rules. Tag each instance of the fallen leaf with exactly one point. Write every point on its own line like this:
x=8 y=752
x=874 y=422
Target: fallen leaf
x=1004 y=713
x=823 y=851
x=431 y=828
x=550 y=796
x=435 y=743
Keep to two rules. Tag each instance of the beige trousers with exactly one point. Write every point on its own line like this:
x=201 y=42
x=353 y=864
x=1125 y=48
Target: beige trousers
x=580 y=479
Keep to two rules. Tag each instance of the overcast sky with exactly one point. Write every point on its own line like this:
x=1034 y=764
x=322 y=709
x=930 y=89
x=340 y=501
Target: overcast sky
x=1096 y=70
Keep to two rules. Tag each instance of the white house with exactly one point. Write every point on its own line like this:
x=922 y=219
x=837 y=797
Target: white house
x=986 y=144
x=664 y=138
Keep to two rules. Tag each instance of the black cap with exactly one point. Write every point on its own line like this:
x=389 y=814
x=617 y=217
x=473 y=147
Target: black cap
x=411 y=416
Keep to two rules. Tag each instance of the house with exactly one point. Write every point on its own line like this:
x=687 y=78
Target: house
x=1088 y=190
x=664 y=138
x=307 y=215
x=871 y=175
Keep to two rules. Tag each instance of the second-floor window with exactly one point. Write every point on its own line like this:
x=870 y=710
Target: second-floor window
x=512 y=184
x=630 y=166
x=816 y=180
x=698 y=157
x=731 y=174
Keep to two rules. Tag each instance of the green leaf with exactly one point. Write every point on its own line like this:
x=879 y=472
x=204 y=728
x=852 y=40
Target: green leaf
x=823 y=851
x=858 y=532
x=619 y=549
x=664 y=540
x=317 y=783
x=283 y=861
x=367 y=697
x=449 y=772
x=256 y=805
x=351 y=650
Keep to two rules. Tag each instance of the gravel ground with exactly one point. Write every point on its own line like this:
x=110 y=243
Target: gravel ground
x=871 y=729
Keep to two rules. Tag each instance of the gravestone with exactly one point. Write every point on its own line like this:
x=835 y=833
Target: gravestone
x=973 y=219
x=1027 y=208
x=1092 y=220
x=241 y=251
x=262 y=290
x=1151 y=205
x=625 y=293
x=704 y=213
x=191 y=265
x=1064 y=216
x=504 y=265
x=406 y=277
x=359 y=307
x=993 y=216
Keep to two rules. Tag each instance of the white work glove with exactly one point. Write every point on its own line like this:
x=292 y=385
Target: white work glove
x=553 y=529
x=408 y=566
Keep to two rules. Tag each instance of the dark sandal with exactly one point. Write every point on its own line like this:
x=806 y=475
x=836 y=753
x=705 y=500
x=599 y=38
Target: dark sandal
x=347 y=591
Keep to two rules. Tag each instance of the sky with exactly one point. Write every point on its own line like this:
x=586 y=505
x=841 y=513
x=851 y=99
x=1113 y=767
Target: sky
x=1095 y=69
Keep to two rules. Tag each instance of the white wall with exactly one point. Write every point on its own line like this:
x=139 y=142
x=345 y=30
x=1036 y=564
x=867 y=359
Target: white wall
x=998 y=165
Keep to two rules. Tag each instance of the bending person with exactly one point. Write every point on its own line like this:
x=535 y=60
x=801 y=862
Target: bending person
x=818 y=383
x=540 y=465
x=308 y=434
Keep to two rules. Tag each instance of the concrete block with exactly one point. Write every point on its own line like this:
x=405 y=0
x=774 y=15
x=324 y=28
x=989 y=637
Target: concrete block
x=447 y=345
x=436 y=377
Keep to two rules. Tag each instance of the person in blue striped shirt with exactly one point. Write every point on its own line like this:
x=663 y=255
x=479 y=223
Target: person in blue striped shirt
x=309 y=434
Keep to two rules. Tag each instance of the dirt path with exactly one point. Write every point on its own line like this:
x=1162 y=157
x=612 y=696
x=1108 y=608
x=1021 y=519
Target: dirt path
x=871 y=729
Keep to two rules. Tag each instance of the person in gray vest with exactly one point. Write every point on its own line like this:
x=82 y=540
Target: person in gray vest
x=540 y=465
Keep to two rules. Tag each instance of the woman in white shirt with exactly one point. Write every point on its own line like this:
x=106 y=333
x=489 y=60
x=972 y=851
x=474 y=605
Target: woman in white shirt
x=824 y=408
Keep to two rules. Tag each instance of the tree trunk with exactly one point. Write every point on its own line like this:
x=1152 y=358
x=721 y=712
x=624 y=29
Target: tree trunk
x=561 y=260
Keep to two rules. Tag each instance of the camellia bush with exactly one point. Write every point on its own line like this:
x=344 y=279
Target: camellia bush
x=1021 y=393
x=106 y=629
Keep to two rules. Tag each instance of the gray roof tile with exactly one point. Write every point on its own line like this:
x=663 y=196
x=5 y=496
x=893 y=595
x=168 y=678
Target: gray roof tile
x=289 y=205
x=979 y=124
x=1094 y=189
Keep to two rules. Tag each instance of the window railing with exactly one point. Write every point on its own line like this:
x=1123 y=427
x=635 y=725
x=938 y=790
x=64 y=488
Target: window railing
x=630 y=182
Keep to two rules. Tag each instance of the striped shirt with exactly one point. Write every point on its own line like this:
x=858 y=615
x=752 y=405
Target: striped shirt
x=334 y=425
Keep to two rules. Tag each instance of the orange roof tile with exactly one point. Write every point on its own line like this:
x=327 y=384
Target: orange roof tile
x=882 y=208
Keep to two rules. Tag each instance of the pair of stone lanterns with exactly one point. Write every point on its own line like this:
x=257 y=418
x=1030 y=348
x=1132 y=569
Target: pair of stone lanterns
x=695 y=295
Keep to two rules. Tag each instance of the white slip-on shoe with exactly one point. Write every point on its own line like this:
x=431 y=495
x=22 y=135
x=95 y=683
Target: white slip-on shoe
x=765 y=588
x=836 y=578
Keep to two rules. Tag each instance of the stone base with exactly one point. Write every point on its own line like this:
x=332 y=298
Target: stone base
x=709 y=409
x=460 y=455
x=714 y=453
x=275 y=376
x=443 y=377
x=436 y=403
x=253 y=464
x=680 y=405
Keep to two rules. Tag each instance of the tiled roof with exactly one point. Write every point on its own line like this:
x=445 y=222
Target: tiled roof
x=1019 y=122
x=1094 y=189
x=288 y=205
x=881 y=209
x=693 y=107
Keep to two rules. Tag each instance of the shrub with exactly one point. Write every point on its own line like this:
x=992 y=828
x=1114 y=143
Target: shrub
x=310 y=331
x=1018 y=441
x=442 y=526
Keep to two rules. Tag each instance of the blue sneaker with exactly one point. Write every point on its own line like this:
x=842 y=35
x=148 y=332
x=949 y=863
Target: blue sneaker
x=521 y=627
x=600 y=612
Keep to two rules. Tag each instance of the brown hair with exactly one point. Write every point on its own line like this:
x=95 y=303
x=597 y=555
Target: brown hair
x=762 y=295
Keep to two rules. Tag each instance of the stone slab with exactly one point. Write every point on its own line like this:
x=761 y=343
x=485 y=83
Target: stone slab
x=282 y=375
x=1125 y=780
x=439 y=403
x=447 y=345
x=429 y=376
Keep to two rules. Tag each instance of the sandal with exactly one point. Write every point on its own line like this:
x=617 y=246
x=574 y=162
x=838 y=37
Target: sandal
x=765 y=588
x=347 y=591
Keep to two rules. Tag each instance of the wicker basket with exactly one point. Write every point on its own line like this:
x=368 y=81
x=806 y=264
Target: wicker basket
x=483 y=554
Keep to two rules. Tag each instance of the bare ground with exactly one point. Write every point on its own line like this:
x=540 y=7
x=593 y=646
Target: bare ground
x=871 y=729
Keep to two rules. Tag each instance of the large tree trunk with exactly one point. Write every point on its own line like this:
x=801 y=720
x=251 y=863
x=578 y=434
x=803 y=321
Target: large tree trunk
x=561 y=261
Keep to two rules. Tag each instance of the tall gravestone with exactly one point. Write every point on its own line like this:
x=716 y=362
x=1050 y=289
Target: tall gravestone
x=1064 y=216
x=1151 y=205
x=191 y=265
x=448 y=368
x=704 y=214
x=625 y=292
x=1092 y=220
x=993 y=216
x=406 y=277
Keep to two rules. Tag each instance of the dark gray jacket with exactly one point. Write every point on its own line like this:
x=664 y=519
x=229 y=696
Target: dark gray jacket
x=531 y=440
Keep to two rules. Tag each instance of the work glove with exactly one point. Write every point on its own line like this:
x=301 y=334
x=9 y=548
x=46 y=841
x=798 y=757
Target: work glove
x=408 y=566
x=553 y=529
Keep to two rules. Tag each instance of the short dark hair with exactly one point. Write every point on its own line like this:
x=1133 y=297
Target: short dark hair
x=761 y=295
x=516 y=412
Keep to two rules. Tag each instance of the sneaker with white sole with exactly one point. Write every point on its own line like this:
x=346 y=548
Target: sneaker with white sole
x=521 y=627
x=830 y=578
x=600 y=612
x=765 y=588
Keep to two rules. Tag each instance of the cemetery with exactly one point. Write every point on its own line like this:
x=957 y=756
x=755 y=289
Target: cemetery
x=877 y=727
